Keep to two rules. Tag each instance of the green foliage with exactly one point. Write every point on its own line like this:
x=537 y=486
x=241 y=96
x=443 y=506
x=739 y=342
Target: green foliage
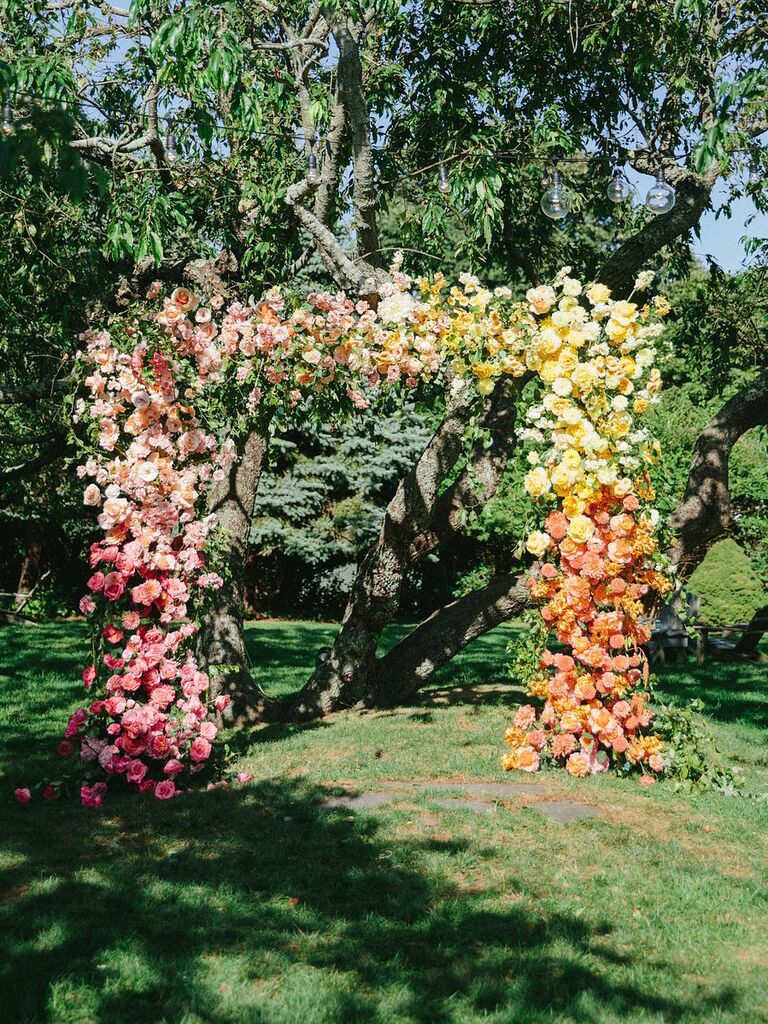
x=693 y=760
x=728 y=587
x=321 y=505
x=527 y=646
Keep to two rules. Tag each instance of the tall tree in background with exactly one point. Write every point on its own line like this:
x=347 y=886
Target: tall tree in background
x=221 y=197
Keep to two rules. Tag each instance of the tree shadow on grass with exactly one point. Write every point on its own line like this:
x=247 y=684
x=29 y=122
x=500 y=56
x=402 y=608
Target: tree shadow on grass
x=256 y=906
x=729 y=691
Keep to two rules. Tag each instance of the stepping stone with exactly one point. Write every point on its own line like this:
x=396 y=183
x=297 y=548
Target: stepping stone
x=561 y=811
x=479 y=806
x=481 y=789
x=564 y=812
x=363 y=801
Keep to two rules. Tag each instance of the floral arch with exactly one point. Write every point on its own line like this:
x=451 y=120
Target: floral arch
x=153 y=382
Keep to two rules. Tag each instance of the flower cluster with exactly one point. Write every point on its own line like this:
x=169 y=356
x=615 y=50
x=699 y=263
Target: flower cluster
x=147 y=474
x=150 y=384
x=597 y=546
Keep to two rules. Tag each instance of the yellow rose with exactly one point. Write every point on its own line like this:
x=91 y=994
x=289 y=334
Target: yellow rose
x=485 y=386
x=584 y=376
x=572 y=506
x=549 y=341
x=615 y=330
x=572 y=459
x=536 y=482
x=563 y=480
x=562 y=387
x=549 y=369
x=580 y=529
x=622 y=487
x=598 y=294
x=537 y=543
x=568 y=360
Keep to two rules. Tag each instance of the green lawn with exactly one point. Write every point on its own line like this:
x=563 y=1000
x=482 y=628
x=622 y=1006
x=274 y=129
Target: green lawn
x=255 y=907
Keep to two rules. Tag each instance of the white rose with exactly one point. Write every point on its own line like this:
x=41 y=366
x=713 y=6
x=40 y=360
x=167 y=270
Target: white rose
x=396 y=307
x=147 y=472
x=92 y=495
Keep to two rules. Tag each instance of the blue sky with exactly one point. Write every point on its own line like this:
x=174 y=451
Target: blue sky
x=720 y=237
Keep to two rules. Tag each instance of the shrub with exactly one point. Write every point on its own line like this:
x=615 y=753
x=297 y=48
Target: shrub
x=727 y=585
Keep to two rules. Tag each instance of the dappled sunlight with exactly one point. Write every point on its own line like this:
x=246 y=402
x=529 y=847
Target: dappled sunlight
x=216 y=905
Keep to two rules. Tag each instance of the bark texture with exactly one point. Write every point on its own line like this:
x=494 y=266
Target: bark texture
x=704 y=515
x=417 y=519
x=221 y=642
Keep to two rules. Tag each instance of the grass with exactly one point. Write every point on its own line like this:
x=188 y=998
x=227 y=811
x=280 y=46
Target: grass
x=255 y=907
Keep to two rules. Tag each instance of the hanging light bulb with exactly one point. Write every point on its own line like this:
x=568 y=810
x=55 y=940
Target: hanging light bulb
x=7 y=118
x=312 y=167
x=313 y=171
x=555 y=202
x=619 y=188
x=171 y=149
x=443 y=184
x=661 y=196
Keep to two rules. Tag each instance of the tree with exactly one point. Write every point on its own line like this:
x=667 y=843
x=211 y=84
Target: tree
x=676 y=90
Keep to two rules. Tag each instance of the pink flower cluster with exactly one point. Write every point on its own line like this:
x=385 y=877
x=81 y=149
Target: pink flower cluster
x=150 y=723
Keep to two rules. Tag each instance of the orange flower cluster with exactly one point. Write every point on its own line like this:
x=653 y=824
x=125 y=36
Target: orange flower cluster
x=592 y=596
x=599 y=564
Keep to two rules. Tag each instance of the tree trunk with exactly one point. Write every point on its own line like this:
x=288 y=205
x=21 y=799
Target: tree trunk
x=221 y=643
x=417 y=519
x=704 y=515
x=432 y=644
x=29 y=573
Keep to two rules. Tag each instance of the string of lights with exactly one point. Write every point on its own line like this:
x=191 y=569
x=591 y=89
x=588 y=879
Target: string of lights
x=556 y=202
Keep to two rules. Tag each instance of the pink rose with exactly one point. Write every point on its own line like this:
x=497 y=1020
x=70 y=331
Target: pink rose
x=647 y=780
x=165 y=790
x=89 y=674
x=113 y=635
x=23 y=795
x=222 y=703
x=96 y=582
x=173 y=767
x=65 y=748
x=136 y=771
x=244 y=777
x=87 y=607
x=208 y=730
x=114 y=585
x=49 y=792
x=200 y=749
x=147 y=785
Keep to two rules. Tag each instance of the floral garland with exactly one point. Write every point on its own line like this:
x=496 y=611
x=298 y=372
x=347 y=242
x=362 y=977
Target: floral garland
x=597 y=543
x=152 y=385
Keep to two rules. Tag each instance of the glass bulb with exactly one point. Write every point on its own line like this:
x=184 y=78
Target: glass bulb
x=171 y=150
x=618 y=189
x=555 y=202
x=443 y=184
x=661 y=196
x=313 y=172
x=7 y=119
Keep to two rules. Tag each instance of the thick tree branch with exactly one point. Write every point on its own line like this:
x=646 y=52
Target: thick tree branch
x=349 y=38
x=704 y=515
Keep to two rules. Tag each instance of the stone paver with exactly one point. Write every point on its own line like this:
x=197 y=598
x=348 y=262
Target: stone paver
x=562 y=811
